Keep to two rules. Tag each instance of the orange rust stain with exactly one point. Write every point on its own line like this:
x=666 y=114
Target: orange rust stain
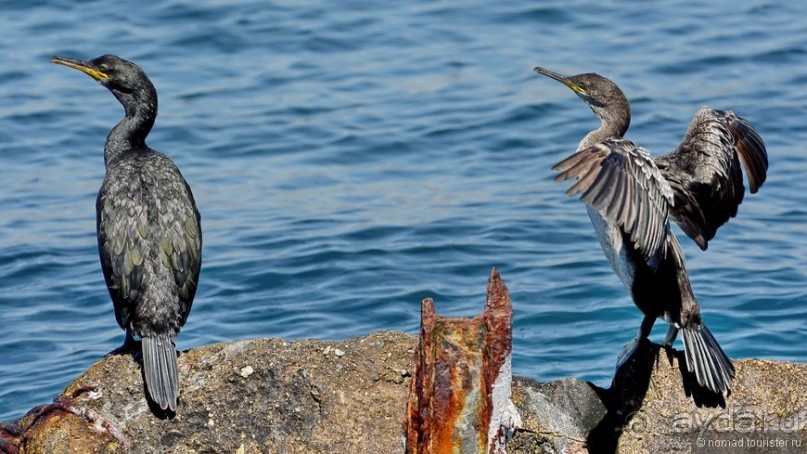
x=457 y=359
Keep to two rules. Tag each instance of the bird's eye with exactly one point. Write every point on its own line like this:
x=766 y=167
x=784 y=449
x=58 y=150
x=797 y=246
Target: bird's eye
x=103 y=68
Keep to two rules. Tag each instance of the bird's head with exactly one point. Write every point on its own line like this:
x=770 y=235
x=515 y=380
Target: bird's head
x=123 y=78
x=603 y=96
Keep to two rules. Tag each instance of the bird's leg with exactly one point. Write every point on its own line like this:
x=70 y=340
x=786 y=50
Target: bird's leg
x=129 y=344
x=672 y=333
x=630 y=347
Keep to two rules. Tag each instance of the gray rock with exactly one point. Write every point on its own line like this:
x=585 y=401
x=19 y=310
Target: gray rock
x=297 y=400
x=560 y=414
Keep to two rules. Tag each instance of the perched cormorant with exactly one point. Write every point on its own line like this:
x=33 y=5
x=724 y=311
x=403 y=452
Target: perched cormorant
x=631 y=196
x=149 y=234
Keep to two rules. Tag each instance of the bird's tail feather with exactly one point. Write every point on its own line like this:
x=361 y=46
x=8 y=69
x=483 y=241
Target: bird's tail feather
x=160 y=370
x=713 y=369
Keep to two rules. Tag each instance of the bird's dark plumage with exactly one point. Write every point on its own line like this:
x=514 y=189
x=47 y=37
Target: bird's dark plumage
x=619 y=179
x=631 y=197
x=149 y=231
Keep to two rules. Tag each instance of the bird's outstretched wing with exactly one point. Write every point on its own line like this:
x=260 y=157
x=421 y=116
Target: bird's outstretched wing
x=705 y=175
x=621 y=181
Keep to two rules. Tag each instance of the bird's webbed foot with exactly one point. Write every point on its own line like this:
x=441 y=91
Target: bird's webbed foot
x=130 y=345
x=631 y=347
x=669 y=338
x=627 y=352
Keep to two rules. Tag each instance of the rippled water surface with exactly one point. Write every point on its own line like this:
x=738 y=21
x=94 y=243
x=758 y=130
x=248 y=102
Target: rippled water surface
x=351 y=158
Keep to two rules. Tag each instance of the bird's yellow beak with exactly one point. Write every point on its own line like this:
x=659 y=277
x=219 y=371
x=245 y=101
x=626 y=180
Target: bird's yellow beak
x=560 y=78
x=82 y=66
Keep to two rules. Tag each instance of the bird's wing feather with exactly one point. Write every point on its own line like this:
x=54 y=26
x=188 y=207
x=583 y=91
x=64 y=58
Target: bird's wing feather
x=123 y=229
x=146 y=218
x=179 y=222
x=620 y=180
x=705 y=173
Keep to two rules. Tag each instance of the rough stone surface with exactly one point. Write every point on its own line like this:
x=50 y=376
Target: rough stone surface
x=558 y=415
x=297 y=399
x=302 y=396
x=659 y=408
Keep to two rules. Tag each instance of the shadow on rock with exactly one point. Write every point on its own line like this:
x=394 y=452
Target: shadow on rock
x=629 y=387
x=624 y=397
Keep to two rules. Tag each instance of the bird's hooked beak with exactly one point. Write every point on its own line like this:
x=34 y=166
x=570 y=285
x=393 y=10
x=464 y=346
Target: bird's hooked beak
x=81 y=65
x=577 y=88
x=560 y=78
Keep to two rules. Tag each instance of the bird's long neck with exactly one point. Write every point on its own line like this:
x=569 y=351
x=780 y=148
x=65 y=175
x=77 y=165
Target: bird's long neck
x=131 y=132
x=613 y=125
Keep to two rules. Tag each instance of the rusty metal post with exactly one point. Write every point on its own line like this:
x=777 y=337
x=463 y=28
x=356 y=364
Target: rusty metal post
x=459 y=396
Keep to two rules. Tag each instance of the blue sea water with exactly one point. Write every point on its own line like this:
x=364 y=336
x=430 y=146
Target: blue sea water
x=351 y=158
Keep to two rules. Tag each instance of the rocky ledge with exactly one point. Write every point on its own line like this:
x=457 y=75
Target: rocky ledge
x=312 y=396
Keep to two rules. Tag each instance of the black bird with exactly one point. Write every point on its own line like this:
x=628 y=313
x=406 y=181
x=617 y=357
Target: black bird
x=630 y=198
x=149 y=234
